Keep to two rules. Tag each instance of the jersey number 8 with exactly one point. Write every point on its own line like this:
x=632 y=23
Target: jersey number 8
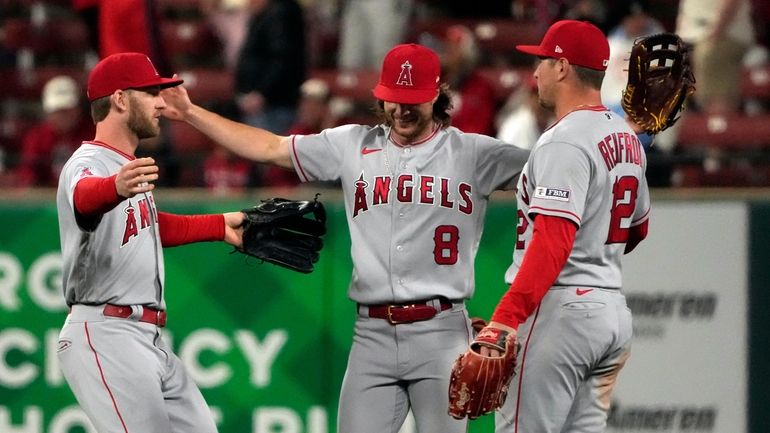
x=445 y=250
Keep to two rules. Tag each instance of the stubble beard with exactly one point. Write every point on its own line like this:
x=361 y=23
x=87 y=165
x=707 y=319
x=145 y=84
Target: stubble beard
x=142 y=125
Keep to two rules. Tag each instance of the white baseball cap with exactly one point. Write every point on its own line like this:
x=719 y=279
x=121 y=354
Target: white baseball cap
x=59 y=93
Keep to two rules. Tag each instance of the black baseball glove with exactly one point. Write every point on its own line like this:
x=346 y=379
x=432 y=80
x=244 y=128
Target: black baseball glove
x=659 y=81
x=285 y=232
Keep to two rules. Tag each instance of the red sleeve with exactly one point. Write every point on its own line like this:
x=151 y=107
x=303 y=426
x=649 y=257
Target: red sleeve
x=636 y=234
x=546 y=255
x=95 y=196
x=185 y=229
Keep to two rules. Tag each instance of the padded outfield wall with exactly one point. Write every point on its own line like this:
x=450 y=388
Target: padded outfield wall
x=268 y=347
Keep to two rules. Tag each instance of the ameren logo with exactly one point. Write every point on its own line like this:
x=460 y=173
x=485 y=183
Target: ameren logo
x=28 y=359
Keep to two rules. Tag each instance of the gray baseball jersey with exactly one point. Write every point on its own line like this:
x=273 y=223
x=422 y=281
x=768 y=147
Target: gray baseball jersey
x=122 y=372
x=589 y=168
x=564 y=178
x=415 y=215
x=124 y=246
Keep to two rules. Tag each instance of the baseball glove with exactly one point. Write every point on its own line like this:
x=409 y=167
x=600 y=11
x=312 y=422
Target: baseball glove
x=659 y=81
x=479 y=384
x=278 y=231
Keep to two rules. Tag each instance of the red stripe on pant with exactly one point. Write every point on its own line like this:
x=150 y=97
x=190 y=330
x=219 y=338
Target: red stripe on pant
x=521 y=371
x=104 y=381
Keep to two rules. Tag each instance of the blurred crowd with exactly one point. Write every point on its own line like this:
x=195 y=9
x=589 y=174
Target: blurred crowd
x=273 y=59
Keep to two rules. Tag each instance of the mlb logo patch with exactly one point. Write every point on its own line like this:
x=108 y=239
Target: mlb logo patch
x=551 y=193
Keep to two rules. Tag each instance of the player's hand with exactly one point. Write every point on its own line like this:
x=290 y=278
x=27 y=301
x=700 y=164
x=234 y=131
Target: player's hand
x=136 y=177
x=234 y=228
x=178 y=102
x=485 y=350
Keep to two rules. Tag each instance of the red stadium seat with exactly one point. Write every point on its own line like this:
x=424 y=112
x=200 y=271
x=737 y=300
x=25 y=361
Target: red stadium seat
x=733 y=133
x=187 y=140
x=192 y=37
x=355 y=85
x=53 y=36
x=756 y=83
x=497 y=38
x=494 y=34
x=206 y=85
x=728 y=176
x=28 y=85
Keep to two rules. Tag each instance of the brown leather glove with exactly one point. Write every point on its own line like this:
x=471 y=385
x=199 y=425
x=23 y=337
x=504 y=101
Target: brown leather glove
x=479 y=384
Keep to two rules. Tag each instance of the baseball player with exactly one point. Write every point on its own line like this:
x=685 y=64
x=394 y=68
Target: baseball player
x=111 y=349
x=416 y=190
x=583 y=202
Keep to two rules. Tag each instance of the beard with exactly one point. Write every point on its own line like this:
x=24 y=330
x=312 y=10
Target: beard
x=141 y=124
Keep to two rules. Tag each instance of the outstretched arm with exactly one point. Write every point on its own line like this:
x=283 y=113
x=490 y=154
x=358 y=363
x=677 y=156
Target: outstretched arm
x=186 y=229
x=246 y=141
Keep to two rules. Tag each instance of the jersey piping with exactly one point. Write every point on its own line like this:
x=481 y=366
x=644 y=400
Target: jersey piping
x=586 y=108
x=107 y=146
x=572 y=214
x=300 y=170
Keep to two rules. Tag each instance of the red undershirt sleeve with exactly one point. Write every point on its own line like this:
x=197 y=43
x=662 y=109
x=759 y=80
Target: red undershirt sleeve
x=185 y=229
x=546 y=255
x=95 y=196
x=636 y=234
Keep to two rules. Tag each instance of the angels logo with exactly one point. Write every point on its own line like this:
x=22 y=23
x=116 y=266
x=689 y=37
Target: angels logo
x=360 y=200
x=405 y=77
x=146 y=208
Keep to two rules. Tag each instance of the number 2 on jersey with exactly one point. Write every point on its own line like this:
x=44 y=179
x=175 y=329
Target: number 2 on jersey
x=445 y=238
x=623 y=204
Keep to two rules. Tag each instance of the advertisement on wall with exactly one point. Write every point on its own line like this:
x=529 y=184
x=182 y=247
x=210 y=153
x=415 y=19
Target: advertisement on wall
x=268 y=347
x=687 y=286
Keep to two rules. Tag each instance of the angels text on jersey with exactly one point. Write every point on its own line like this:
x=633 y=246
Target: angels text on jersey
x=411 y=188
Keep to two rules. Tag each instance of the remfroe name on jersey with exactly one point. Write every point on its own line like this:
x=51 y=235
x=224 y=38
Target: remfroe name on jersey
x=620 y=147
x=131 y=230
x=424 y=188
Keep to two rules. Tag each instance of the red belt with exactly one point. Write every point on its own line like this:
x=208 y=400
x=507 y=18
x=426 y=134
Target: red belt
x=149 y=315
x=406 y=313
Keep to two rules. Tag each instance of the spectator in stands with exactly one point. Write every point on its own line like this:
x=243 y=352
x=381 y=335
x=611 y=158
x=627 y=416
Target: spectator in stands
x=638 y=22
x=473 y=96
x=721 y=32
x=128 y=26
x=228 y=19
x=271 y=65
x=523 y=119
x=369 y=29
x=313 y=116
x=48 y=145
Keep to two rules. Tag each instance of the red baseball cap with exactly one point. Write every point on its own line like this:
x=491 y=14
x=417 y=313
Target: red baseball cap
x=410 y=75
x=580 y=42
x=125 y=71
